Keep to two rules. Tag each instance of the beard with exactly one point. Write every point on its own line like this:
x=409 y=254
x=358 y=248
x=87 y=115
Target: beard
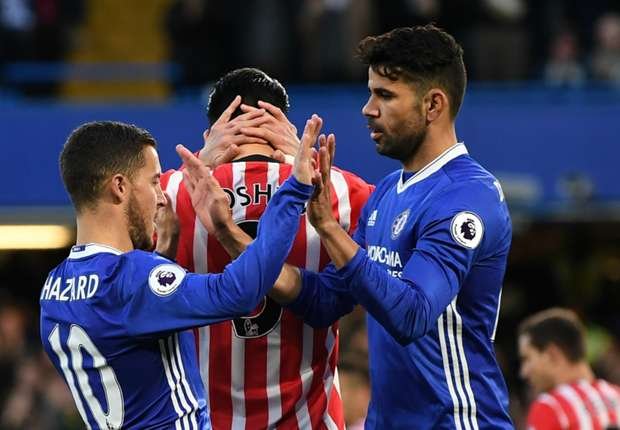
x=137 y=228
x=401 y=147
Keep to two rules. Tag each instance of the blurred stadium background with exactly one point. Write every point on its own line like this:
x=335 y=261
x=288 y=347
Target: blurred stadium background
x=542 y=112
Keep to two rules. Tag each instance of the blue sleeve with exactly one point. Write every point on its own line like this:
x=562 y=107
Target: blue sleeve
x=408 y=307
x=159 y=296
x=324 y=296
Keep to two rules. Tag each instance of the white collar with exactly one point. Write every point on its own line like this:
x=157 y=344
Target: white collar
x=81 y=251
x=449 y=154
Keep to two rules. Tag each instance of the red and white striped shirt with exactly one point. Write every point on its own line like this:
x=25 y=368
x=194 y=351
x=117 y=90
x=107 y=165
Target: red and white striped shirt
x=269 y=369
x=582 y=405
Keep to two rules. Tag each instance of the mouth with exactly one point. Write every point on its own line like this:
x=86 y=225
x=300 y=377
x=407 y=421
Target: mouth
x=375 y=132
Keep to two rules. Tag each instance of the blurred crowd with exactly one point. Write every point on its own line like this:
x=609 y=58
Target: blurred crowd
x=561 y=42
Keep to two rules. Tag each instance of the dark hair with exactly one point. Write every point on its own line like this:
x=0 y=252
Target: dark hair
x=249 y=83
x=423 y=54
x=557 y=326
x=97 y=150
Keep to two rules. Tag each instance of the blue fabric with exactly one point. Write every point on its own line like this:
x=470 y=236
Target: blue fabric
x=119 y=319
x=429 y=273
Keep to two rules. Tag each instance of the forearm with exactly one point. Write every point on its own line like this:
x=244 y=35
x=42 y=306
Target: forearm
x=256 y=270
x=287 y=286
x=338 y=244
x=233 y=239
x=400 y=306
x=167 y=245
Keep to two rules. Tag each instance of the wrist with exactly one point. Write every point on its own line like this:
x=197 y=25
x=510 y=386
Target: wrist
x=327 y=227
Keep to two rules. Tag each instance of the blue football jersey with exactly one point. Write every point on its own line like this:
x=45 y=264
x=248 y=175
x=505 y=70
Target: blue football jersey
x=115 y=324
x=429 y=272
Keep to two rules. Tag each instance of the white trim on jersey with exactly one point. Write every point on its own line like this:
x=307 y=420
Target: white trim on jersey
x=456 y=370
x=188 y=390
x=342 y=192
x=551 y=401
x=448 y=373
x=463 y=360
x=449 y=154
x=172 y=384
x=572 y=397
x=81 y=251
x=454 y=360
x=597 y=401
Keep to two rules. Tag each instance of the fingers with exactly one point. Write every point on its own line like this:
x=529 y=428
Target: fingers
x=236 y=125
x=273 y=110
x=311 y=132
x=225 y=116
x=331 y=148
x=193 y=165
x=257 y=113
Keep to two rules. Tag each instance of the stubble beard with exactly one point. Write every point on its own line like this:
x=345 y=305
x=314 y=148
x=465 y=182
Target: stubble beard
x=137 y=229
x=402 y=147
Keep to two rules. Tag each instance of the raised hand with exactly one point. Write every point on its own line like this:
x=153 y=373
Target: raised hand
x=222 y=140
x=278 y=131
x=320 y=206
x=304 y=167
x=210 y=202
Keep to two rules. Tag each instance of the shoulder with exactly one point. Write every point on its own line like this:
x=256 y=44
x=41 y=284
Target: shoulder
x=546 y=413
x=358 y=189
x=469 y=187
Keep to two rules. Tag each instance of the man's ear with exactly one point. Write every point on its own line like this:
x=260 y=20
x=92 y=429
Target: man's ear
x=554 y=353
x=118 y=188
x=435 y=104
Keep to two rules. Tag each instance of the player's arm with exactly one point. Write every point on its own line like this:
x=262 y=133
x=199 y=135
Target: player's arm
x=175 y=300
x=407 y=307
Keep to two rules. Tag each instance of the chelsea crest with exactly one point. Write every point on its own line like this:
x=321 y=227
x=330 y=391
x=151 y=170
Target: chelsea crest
x=399 y=223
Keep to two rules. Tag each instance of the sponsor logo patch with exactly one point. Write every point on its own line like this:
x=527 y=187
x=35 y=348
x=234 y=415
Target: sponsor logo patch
x=467 y=229
x=165 y=279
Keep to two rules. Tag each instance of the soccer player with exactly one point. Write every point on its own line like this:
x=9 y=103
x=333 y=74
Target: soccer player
x=429 y=255
x=552 y=349
x=266 y=369
x=112 y=314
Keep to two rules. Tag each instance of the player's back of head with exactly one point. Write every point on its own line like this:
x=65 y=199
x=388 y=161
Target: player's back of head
x=557 y=326
x=424 y=55
x=252 y=85
x=97 y=150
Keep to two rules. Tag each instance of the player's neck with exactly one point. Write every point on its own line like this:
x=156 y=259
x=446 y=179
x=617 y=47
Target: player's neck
x=437 y=141
x=104 y=228
x=575 y=372
x=254 y=149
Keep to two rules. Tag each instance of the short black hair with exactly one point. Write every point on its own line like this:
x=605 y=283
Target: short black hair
x=557 y=326
x=94 y=152
x=425 y=55
x=252 y=85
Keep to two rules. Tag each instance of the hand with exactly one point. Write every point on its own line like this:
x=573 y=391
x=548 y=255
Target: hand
x=222 y=140
x=278 y=131
x=210 y=202
x=320 y=212
x=304 y=166
x=167 y=229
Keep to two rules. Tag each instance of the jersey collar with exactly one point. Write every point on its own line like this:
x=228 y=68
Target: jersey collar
x=449 y=154
x=81 y=251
